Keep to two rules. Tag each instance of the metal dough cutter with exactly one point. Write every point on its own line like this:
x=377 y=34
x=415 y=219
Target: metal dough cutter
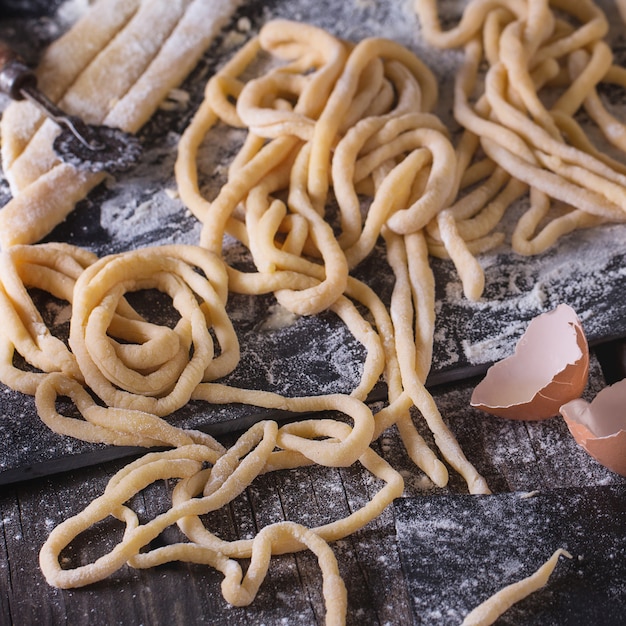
x=85 y=146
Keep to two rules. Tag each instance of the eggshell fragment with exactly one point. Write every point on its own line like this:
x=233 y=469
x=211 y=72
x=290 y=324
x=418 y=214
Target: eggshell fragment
x=550 y=367
x=600 y=426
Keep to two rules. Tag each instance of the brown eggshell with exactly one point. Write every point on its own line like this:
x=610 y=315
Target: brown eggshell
x=600 y=426
x=550 y=367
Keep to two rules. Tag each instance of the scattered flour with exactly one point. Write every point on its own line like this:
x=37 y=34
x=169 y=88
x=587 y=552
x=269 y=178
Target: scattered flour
x=71 y=10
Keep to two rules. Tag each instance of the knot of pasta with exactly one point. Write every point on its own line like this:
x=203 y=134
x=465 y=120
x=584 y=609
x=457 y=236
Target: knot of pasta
x=207 y=480
x=130 y=362
x=354 y=121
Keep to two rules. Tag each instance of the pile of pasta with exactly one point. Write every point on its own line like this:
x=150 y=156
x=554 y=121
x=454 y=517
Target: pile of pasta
x=545 y=63
x=341 y=148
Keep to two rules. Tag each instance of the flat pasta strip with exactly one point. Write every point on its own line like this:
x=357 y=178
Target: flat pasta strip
x=51 y=189
x=57 y=70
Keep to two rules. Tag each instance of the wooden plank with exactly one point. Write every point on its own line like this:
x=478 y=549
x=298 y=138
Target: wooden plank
x=513 y=456
x=469 y=335
x=179 y=593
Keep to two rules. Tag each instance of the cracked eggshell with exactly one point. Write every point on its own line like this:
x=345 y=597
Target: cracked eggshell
x=550 y=367
x=600 y=426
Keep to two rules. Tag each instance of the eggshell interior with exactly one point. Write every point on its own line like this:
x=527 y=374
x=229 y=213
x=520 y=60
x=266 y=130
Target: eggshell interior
x=550 y=366
x=600 y=426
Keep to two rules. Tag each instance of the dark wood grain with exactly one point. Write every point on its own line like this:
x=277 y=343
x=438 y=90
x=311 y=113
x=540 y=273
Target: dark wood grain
x=298 y=356
x=510 y=537
x=181 y=593
x=514 y=456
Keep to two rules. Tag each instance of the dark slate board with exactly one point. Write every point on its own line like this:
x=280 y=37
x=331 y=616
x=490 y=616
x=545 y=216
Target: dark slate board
x=486 y=542
x=313 y=355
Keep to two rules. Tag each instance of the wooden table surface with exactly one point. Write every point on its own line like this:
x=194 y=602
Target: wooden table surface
x=513 y=456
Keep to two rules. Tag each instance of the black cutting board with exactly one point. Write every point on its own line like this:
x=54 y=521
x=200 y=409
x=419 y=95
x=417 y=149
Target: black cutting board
x=456 y=551
x=309 y=355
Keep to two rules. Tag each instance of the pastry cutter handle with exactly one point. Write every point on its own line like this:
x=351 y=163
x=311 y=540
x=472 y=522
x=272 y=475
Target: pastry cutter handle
x=18 y=81
x=15 y=75
x=95 y=148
